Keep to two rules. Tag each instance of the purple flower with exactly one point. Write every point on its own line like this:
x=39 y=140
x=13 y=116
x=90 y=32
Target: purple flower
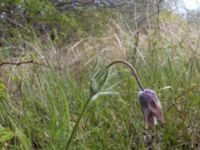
x=151 y=108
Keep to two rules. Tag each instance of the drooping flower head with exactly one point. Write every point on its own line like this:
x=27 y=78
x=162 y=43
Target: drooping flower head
x=149 y=101
x=151 y=107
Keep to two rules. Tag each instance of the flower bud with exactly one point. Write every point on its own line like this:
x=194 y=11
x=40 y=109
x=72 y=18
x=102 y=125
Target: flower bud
x=151 y=107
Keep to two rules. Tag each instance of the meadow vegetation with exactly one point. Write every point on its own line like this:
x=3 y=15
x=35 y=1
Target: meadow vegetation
x=41 y=101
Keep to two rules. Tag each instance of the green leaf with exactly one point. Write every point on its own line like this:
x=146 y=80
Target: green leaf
x=100 y=82
x=103 y=94
x=99 y=77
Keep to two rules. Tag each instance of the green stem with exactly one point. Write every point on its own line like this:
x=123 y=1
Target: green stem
x=78 y=122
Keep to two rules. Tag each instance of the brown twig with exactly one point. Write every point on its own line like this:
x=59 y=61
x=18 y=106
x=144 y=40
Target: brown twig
x=185 y=92
x=179 y=96
x=28 y=62
x=16 y=63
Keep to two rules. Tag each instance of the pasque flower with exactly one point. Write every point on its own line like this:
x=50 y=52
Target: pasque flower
x=149 y=101
x=151 y=107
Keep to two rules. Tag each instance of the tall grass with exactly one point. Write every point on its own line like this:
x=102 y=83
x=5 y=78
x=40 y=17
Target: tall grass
x=40 y=106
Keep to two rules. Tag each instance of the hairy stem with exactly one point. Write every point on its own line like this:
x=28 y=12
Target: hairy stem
x=134 y=73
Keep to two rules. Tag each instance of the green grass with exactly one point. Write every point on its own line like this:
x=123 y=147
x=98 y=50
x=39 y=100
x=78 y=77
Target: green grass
x=40 y=106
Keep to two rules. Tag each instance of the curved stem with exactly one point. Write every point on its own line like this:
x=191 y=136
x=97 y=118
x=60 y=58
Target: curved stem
x=134 y=73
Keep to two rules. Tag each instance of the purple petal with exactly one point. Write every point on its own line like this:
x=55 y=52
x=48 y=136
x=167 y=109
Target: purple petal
x=151 y=107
